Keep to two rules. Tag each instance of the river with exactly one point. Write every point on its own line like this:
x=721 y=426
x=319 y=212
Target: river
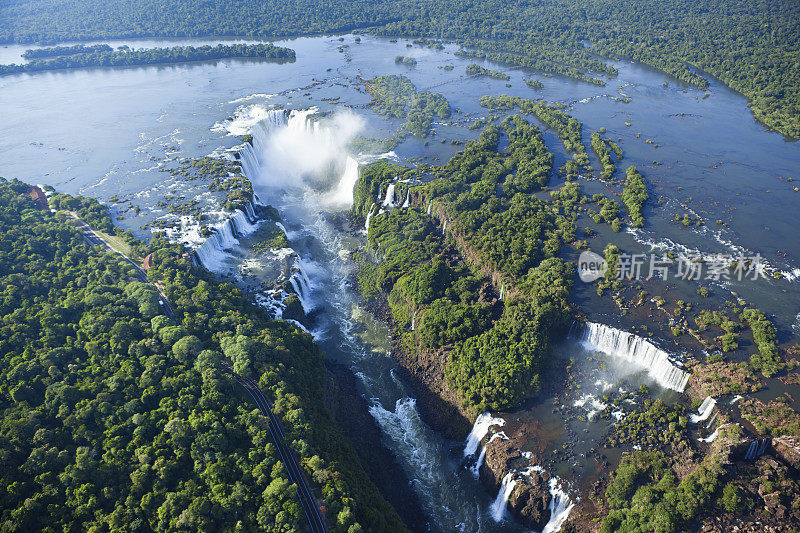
x=113 y=133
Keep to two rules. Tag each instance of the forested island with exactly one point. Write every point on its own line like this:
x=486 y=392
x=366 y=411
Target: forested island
x=479 y=72
x=70 y=57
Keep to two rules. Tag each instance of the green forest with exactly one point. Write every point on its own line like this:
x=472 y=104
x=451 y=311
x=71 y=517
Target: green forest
x=750 y=46
x=66 y=57
x=397 y=97
x=488 y=287
x=116 y=417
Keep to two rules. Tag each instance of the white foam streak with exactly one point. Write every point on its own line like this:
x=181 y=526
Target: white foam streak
x=498 y=508
x=705 y=410
x=479 y=430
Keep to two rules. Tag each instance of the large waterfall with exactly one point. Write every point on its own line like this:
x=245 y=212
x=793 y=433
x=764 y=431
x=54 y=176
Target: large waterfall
x=479 y=430
x=635 y=349
x=212 y=252
x=560 y=507
x=560 y=503
x=319 y=274
x=498 y=508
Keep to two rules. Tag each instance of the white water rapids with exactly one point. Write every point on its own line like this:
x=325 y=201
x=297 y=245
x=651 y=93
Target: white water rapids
x=306 y=193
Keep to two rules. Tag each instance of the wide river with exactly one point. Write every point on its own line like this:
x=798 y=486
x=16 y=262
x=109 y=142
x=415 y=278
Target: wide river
x=112 y=133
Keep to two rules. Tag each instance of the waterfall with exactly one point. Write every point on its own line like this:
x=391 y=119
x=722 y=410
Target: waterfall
x=413 y=320
x=502 y=291
x=705 y=410
x=444 y=227
x=429 y=207
x=369 y=215
x=301 y=284
x=751 y=450
x=642 y=353
x=756 y=449
x=342 y=194
x=408 y=199
x=479 y=430
x=212 y=252
x=560 y=507
x=711 y=438
x=388 y=201
x=241 y=224
x=251 y=160
x=498 y=508
x=477 y=466
x=250 y=211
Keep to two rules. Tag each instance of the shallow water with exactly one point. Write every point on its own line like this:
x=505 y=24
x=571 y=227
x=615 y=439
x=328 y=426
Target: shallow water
x=105 y=132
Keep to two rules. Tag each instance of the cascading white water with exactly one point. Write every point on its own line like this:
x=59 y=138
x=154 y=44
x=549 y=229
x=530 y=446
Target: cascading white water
x=451 y=500
x=560 y=507
x=751 y=450
x=241 y=224
x=590 y=404
x=642 y=353
x=498 y=509
x=711 y=438
x=250 y=211
x=212 y=253
x=476 y=468
x=369 y=216
x=756 y=449
x=388 y=201
x=342 y=195
x=408 y=199
x=705 y=410
x=479 y=430
x=301 y=284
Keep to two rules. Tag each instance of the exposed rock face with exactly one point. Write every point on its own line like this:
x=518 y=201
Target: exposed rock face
x=530 y=499
x=788 y=449
x=438 y=406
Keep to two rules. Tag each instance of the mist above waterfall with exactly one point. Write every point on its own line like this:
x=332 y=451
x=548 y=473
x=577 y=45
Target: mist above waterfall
x=310 y=154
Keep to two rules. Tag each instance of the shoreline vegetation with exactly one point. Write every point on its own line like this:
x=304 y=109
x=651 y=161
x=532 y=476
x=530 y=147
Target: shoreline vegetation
x=72 y=57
